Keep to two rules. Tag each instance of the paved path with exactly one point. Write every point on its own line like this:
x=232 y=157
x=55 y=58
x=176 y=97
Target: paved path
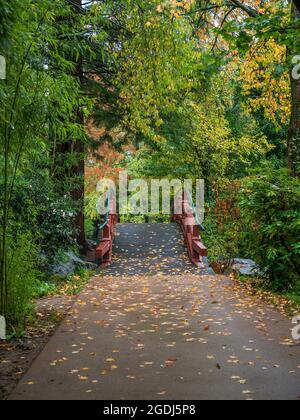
x=139 y=335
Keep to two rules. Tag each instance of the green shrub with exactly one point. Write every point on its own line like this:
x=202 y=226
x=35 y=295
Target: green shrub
x=22 y=277
x=270 y=205
x=223 y=245
x=48 y=215
x=222 y=234
x=147 y=218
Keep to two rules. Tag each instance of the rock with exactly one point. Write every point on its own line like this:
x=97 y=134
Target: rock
x=246 y=267
x=69 y=263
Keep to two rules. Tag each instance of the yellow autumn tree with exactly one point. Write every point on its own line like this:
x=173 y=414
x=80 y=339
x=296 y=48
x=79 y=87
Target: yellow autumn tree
x=174 y=7
x=265 y=81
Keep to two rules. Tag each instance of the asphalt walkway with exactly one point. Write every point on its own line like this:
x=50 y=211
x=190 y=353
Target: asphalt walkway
x=154 y=327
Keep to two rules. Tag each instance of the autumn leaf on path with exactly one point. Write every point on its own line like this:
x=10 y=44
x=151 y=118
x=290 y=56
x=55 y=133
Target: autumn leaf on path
x=170 y=362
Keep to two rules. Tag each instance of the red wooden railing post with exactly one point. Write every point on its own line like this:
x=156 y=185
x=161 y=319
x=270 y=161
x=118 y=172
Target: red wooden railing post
x=190 y=229
x=104 y=250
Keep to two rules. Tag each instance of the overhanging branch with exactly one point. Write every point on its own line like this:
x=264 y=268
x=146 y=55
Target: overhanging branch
x=247 y=9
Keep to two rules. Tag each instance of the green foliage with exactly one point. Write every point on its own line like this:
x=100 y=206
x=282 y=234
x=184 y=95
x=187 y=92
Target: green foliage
x=149 y=218
x=91 y=205
x=39 y=102
x=207 y=137
x=21 y=281
x=158 y=65
x=258 y=217
x=35 y=205
x=222 y=243
x=55 y=222
x=223 y=227
x=270 y=203
x=71 y=285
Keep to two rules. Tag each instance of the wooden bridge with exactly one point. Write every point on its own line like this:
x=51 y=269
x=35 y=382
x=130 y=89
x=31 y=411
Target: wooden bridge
x=143 y=247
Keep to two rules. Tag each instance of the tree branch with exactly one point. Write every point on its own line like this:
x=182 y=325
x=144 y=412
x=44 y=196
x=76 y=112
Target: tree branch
x=247 y=9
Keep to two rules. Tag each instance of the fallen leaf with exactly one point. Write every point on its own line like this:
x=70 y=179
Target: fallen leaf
x=111 y=360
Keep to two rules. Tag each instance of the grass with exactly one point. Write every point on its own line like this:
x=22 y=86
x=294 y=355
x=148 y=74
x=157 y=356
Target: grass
x=71 y=285
x=294 y=297
x=56 y=285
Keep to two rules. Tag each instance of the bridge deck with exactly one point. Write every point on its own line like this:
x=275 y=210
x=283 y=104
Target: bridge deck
x=151 y=249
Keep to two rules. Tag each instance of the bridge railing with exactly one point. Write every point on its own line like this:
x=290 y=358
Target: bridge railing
x=189 y=223
x=106 y=232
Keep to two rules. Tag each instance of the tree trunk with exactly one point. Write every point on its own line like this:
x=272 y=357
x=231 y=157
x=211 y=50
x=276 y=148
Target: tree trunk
x=293 y=149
